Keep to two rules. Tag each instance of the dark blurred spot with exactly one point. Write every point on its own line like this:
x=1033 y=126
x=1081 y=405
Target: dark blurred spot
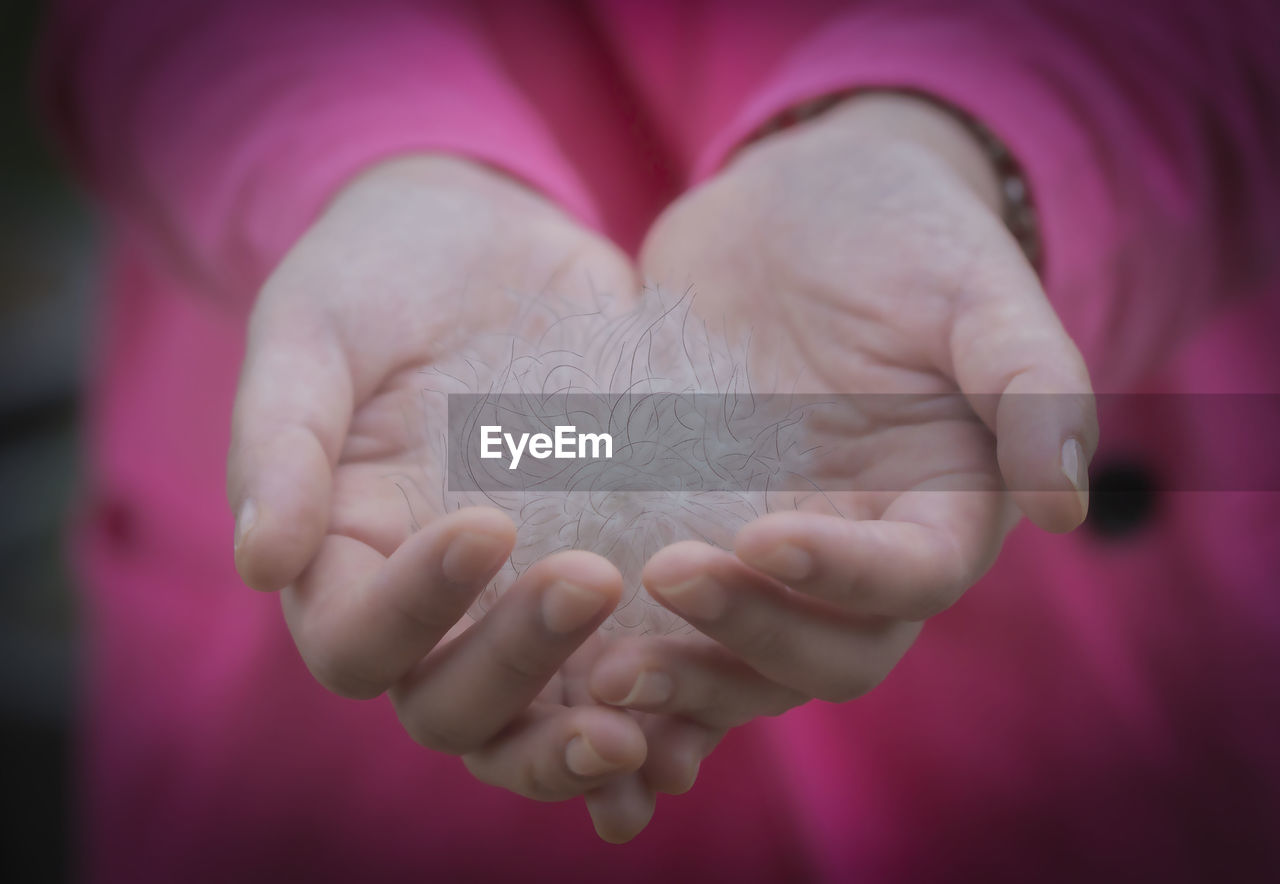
x=35 y=802
x=1123 y=497
x=119 y=523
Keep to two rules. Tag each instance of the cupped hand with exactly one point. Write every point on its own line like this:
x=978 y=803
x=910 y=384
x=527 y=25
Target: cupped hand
x=864 y=254
x=409 y=261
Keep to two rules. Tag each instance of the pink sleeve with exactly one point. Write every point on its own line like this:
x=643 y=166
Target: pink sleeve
x=1149 y=131
x=218 y=130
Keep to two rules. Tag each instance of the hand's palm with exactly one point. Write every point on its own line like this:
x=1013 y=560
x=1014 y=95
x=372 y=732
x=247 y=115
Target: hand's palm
x=868 y=270
x=846 y=282
x=330 y=453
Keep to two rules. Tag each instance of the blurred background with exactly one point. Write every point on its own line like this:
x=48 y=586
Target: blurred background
x=46 y=261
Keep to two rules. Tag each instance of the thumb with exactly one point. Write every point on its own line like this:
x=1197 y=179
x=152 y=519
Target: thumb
x=292 y=410
x=1027 y=381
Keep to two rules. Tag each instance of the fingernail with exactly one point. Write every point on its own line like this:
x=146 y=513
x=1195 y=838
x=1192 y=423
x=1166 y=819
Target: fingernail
x=692 y=776
x=1076 y=471
x=700 y=598
x=567 y=607
x=582 y=759
x=472 y=556
x=697 y=766
x=244 y=521
x=650 y=689
x=785 y=562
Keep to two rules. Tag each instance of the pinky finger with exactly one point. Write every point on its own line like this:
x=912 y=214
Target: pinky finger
x=554 y=753
x=621 y=808
x=676 y=749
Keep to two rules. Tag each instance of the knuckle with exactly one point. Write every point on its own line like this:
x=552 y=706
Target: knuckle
x=932 y=601
x=420 y=617
x=955 y=579
x=845 y=687
x=522 y=780
x=858 y=676
x=764 y=640
x=783 y=701
x=713 y=706
x=534 y=783
x=949 y=579
x=437 y=733
x=524 y=776
x=480 y=769
x=342 y=673
x=848 y=680
x=514 y=663
x=516 y=669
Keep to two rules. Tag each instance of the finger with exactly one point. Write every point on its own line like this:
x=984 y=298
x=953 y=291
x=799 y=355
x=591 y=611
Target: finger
x=361 y=621
x=929 y=547
x=1026 y=379
x=621 y=808
x=696 y=680
x=292 y=409
x=797 y=641
x=552 y=752
x=461 y=696
x=677 y=747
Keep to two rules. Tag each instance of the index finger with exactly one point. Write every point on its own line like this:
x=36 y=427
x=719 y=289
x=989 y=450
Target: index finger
x=361 y=621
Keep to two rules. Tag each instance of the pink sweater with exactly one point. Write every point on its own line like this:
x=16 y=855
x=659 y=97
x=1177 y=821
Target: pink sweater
x=1092 y=709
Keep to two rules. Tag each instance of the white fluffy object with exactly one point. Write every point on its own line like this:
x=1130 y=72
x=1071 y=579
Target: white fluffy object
x=660 y=347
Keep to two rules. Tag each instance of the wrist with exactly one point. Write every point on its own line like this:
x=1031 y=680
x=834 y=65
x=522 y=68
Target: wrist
x=897 y=117
x=461 y=191
x=438 y=172
x=962 y=146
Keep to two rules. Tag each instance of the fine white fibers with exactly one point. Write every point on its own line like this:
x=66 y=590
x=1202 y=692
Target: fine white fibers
x=712 y=488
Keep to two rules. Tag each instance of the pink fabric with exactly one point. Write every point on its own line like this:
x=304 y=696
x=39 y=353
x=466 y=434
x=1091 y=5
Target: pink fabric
x=1147 y=129
x=1090 y=710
